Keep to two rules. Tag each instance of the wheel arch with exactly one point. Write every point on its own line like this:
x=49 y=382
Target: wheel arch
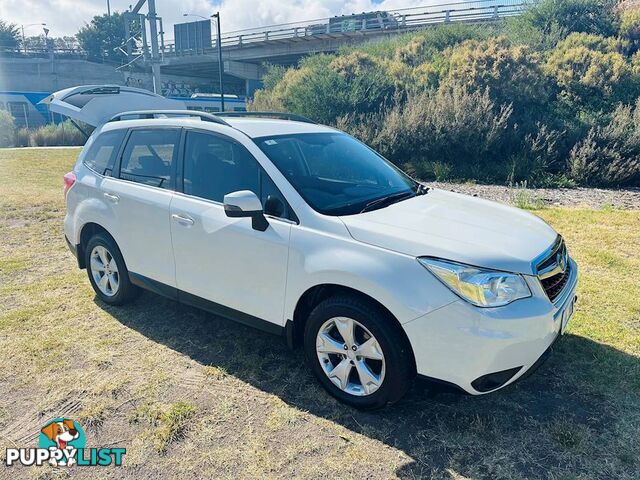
x=88 y=230
x=316 y=294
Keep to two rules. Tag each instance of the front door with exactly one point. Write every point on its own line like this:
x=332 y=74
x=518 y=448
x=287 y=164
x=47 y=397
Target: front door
x=221 y=259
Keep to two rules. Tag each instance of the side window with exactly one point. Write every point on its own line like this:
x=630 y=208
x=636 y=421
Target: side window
x=149 y=157
x=214 y=166
x=101 y=156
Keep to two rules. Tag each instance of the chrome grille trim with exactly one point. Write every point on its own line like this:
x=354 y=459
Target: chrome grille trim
x=554 y=270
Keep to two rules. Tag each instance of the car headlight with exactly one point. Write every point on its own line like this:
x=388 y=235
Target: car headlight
x=478 y=286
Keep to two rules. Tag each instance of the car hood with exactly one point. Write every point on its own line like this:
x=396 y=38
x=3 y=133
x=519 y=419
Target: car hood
x=456 y=227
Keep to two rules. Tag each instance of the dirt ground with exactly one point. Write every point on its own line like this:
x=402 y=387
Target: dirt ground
x=628 y=198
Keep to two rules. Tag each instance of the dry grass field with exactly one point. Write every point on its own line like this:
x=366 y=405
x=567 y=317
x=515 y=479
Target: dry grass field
x=192 y=396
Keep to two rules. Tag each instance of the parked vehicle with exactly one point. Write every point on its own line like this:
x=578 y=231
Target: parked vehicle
x=355 y=22
x=302 y=231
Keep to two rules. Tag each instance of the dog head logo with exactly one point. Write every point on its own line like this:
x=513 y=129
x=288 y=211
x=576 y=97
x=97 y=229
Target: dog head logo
x=62 y=434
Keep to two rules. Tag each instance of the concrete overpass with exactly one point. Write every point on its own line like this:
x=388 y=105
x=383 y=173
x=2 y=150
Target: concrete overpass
x=245 y=52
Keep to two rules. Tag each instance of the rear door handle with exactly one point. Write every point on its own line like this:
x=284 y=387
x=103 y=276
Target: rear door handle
x=183 y=219
x=111 y=197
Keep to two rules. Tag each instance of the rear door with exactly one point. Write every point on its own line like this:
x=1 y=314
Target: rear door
x=97 y=104
x=140 y=194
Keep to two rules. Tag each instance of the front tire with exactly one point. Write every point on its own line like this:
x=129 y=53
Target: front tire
x=107 y=271
x=358 y=352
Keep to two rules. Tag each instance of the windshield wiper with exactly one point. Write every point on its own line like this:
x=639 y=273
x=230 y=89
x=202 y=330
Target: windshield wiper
x=422 y=189
x=386 y=201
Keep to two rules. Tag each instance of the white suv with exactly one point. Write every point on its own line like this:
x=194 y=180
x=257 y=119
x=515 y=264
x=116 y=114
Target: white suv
x=302 y=231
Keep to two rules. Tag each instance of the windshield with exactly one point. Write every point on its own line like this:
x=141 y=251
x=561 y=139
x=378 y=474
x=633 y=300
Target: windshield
x=335 y=173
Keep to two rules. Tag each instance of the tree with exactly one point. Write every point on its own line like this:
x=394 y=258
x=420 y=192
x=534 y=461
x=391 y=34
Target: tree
x=103 y=37
x=9 y=35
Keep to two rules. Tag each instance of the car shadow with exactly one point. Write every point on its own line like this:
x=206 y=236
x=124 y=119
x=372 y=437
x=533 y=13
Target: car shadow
x=547 y=422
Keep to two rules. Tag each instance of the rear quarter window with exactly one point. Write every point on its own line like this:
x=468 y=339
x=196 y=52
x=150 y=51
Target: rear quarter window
x=101 y=156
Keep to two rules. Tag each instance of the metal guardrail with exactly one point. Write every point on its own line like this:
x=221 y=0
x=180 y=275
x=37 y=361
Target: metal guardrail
x=402 y=20
x=42 y=51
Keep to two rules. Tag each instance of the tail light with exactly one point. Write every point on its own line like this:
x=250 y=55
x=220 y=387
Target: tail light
x=69 y=180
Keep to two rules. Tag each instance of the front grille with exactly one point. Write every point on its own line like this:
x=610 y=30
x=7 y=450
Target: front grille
x=554 y=270
x=554 y=285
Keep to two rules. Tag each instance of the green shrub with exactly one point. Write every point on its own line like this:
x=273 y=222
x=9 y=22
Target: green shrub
x=536 y=161
x=368 y=86
x=451 y=127
x=22 y=138
x=610 y=154
x=592 y=72
x=62 y=134
x=425 y=46
x=630 y=24
x=547 y=21
x=511 y=73
x=531 y=99
x=524 y=198
x=7 y=129
x=325 y=87
x=313 y=89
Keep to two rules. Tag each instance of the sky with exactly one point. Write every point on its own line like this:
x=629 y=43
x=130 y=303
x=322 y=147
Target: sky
x=66 y=17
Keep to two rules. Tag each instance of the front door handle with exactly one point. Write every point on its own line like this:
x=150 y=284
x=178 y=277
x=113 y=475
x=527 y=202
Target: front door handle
x=183 y=219
x=111 y=197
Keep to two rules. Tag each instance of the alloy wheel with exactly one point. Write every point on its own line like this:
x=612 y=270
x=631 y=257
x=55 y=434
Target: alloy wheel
x=105 y=271
x=350 y=356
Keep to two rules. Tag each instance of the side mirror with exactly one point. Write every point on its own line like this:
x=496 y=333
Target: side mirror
x=246 y=204
x=273 y=206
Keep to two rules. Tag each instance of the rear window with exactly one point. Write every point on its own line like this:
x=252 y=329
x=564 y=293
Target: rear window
x=101 y=156
x=150 y=157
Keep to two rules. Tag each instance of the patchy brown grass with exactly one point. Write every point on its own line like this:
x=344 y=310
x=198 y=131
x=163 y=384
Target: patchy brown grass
x=194 y=396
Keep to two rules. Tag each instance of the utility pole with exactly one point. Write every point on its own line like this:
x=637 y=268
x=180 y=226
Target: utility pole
x=108 y=8
x=221 y=65
x=152 y=17
x=155 y=55
x=24 y=39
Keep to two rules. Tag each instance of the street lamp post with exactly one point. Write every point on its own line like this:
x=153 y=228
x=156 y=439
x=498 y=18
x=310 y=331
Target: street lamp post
x=194 y=15
x=221 y=65
x=219 y=48
x=24 y=40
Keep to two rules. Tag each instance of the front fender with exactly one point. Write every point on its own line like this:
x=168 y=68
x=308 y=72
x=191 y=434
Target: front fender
x=395 y=280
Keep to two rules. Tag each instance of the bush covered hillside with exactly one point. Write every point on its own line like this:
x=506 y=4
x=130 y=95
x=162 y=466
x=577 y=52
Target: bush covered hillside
x=550 y=97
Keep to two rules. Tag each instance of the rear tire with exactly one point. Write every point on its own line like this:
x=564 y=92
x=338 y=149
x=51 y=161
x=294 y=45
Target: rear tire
x=373 y=368
x=107 y=271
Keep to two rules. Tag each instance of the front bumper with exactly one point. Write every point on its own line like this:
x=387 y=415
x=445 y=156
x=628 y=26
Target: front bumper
x=482 y=350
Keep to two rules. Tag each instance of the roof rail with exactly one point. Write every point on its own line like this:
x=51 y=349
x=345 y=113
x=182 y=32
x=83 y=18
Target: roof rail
x=279 y=115
x=206 y=117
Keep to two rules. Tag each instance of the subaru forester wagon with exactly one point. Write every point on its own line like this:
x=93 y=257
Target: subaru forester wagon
x=303 y=231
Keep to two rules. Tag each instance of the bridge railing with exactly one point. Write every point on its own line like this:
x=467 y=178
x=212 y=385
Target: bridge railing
x=407 y=19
